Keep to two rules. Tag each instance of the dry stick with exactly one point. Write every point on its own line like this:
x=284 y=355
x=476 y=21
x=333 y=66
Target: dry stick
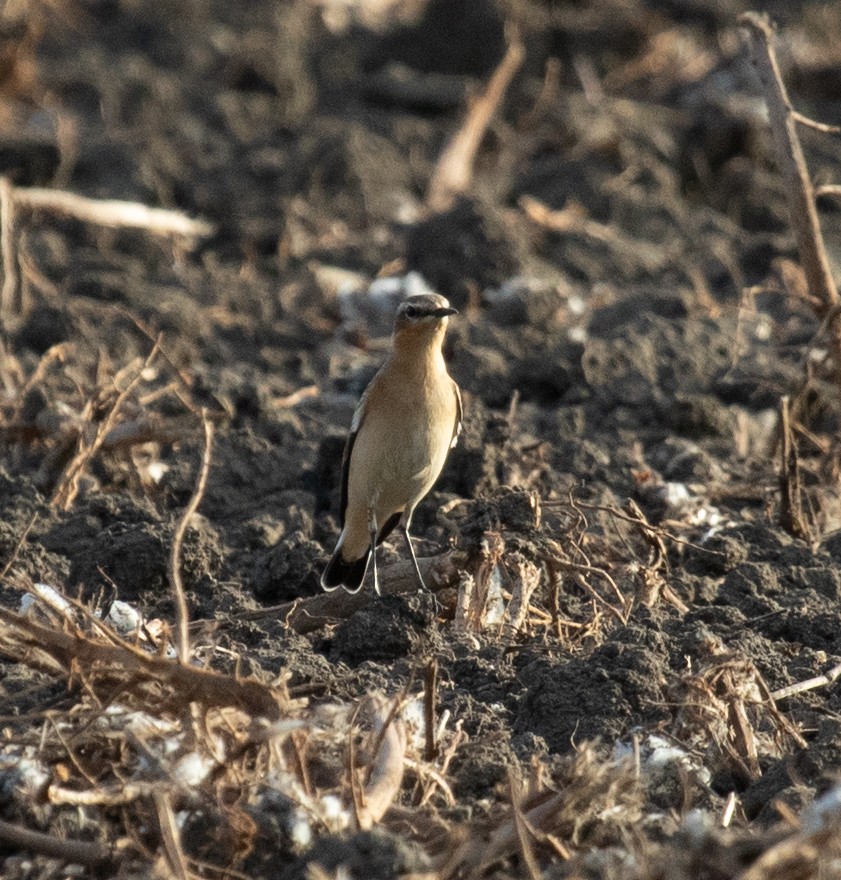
x=478 y=853
x=525 y=583
x=113 y=796
x=386 y=773
x=454 y=170
x=181 y=612
x=68 y=486
x=828 y=189
x=312 y=613
x=10 y=302
x=808 y=685
x=18 y=545
x=801 y=197
x=170 y=836
x=791 y=515
x=19 y=636
x=430 y=695
x=72 y=852
x=523 y=834
x=113 y=212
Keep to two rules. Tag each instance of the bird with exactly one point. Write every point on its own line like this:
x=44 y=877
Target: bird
x=406 y=422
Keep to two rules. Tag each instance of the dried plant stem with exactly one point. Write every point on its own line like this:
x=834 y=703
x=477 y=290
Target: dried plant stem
x=68 y=486
x=10 y=297
x=801 y=196
x=808 y=685
x=181 y=613
x=112 y=213
x=386 y=773
x=521 y=827
x=170 y=837
x=792 y=517
x=430 y=696
x=309 y=614
x=73 y=852
x=454 y=171
x=130 y=668
x=526 y=580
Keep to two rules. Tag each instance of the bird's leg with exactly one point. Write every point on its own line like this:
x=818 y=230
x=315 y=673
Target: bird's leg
x=407 y=536
x=372 y=528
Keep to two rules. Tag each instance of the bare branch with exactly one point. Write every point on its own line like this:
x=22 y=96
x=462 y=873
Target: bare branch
x=131 y=667
x=112 y=212
x=181 y=613
x=454 y=171
x=808 y=685
x=783 y=119
x=72 y=852
x=312 y=613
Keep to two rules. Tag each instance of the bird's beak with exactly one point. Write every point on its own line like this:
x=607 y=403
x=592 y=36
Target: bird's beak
x=443 y=313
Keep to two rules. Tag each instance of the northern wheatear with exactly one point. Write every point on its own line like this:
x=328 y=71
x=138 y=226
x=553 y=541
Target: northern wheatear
x=405 y=424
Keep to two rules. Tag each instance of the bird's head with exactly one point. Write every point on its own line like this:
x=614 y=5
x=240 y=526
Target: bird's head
x=422 y=317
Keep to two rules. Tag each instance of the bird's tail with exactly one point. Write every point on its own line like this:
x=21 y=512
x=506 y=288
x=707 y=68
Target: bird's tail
x=340 y=573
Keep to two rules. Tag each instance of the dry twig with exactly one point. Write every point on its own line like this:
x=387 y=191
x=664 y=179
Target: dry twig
x=123 y=665
x=454 y=170
x=170 y=836
x=808 y=685
x=68 y=486
x=71 y=852
x=792 y=517
x=312 y=613
x=112 y=213
x=181 y=613
x=386 y=773
x=801 y=197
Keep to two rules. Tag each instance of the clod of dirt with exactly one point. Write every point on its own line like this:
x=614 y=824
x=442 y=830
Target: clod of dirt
x=349 y=170
x=451 y=36
x=466 y=248
x=386 y=629
x=134 y=558
x=509 y=508
x=718 y=554
x=522 y=301
x=570 y=701
x=43 y=328
x=474 y=466
x=289 y=570
x=752 y=588
x=374 y=855
x=611 y=321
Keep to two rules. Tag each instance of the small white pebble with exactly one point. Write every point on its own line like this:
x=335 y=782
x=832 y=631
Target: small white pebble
x=494 y=604
x=123 y=617
x=192 y=769
x=334 y=814
x=824 y=813
x=300 y=830
x=576 y=304
x=414 y=717
x=47 y=594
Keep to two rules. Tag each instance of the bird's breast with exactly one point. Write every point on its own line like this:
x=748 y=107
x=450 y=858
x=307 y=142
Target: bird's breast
x=403 y=442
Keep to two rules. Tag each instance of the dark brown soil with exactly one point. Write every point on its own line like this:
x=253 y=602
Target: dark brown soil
x=596 y=366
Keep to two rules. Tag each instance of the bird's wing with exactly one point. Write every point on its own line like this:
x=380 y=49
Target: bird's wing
x=355 y=425
x=459 y=425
